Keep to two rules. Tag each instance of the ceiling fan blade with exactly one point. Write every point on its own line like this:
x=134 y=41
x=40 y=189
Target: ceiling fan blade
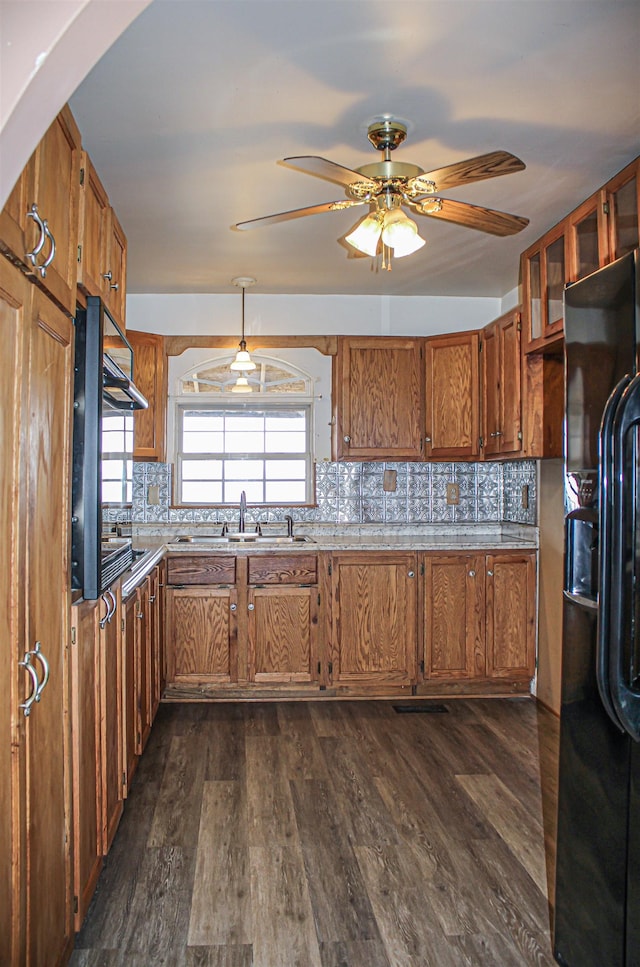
x=473 y=216
x=490 y=165
x=328 y=206
x=323 y=168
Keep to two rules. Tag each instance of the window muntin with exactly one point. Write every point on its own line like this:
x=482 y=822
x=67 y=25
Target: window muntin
x=117 y=463
x=263 y=449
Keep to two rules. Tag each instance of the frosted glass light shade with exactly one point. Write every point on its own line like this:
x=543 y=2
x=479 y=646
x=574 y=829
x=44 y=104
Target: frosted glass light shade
x=366 y=235
x=401 y=233
x=241 y=385
x=243 y=362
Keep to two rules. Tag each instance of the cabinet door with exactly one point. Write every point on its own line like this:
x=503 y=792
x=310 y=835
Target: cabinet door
x=155 y=641
x=380 y=399
x=15 y=301
x=130 y=735
x=93 y=243
x=47 y=374
x=86 y=754
x=454 y=616
x=282 y=628
x=201 y=635
x=545 y=270
x=622 y=199
x=510 y=616
x=452 y=396
x=150 y=376
x=112 y=718
x=116 y=270
x=374 y=612
x=143 y=665
x=491 y=390
x=14 y=224
x=510 y=384
x=587 y=238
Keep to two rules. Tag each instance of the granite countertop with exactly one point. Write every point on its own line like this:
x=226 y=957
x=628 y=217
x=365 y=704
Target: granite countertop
x=154 y=542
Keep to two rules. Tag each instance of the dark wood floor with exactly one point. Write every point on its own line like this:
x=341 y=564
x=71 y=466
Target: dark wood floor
x=340 y=834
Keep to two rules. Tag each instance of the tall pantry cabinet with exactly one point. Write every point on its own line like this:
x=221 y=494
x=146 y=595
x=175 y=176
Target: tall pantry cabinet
x=36 y=360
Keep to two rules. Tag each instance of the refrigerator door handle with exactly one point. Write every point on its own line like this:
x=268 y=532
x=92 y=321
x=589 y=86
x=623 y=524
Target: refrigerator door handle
x=626 y=698
x=605 y=532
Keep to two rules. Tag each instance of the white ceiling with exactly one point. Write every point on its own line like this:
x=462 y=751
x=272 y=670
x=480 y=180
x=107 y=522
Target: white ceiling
x=187 y=115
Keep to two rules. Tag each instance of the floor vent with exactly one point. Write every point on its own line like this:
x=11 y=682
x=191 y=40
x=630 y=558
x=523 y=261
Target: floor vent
x=422 y=707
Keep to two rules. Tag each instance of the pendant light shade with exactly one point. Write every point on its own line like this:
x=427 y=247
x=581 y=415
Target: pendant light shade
x=242 y=363
x=241 y=385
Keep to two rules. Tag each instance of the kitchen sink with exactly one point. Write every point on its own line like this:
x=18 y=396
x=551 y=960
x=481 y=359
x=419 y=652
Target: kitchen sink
x=260 y=539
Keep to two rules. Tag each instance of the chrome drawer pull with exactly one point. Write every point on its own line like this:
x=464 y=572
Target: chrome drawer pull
x=38 y=248
x=45 y=664
x=42 y=269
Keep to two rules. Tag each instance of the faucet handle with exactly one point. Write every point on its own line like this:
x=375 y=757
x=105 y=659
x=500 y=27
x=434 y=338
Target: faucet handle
x=259 y=528
x=225 y=529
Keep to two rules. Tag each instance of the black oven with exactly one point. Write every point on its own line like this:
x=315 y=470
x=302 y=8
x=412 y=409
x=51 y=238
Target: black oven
x=105 y=397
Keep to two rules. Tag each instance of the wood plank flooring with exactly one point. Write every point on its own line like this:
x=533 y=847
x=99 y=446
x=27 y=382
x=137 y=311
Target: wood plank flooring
x=336 y=834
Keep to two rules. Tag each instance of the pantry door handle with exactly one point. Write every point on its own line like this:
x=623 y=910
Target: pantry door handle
x=107 y=617
x=45 y=664
x=26 y=664
x=33 y=213
x=42 y=269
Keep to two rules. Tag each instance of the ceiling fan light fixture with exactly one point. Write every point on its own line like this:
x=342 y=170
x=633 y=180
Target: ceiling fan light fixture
x=366 y=234
x=401 y=233
x=241 y=385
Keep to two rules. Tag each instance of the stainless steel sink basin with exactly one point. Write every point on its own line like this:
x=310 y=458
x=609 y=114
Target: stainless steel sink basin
x=260 y=539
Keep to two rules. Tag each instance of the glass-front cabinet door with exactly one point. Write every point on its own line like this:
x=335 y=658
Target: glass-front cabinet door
x=622 y=201
x=544 y=273
x=587 y=236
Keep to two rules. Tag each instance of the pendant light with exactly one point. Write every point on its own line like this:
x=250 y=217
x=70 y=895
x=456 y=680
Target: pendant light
x=243 y=363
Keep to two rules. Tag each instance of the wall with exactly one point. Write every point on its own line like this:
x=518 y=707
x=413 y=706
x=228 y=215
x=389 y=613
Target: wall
x=308 y=314
x=551 y=583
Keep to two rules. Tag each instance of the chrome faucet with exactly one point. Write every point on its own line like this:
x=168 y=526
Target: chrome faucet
x=289 y=520
x=243 y=511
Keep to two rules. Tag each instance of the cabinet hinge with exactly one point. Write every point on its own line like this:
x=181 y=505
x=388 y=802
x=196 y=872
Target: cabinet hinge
x=605 y=207
x=122 y=624
x=331 y=668
x=519 y=434
x=319 y=668
x=138 y=738
x=318 y=600
x=82 y=176
x=480 y=346
x=481 y=443
x=422 y=568
x=75 y=904
x=73 y=636
x=519 y=326
x=330 y=569
x=79 y=254
x=422 y=667
x=124 y=780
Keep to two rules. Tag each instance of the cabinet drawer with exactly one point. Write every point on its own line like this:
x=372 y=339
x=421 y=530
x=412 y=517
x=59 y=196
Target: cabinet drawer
x=283 y=569
x=207 y=569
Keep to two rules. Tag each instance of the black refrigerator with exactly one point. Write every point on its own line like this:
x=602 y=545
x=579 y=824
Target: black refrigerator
x=597 y=902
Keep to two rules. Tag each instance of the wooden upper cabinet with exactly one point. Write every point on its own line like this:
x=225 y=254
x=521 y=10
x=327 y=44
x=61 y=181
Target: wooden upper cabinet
x=150 y=376
x=93 y=242
x=116 y=270
x=379 y=399
x=587 y=229
x=102 y=245
x=452 y=397
x=501 y=386
x=621 y=202
x=39 y=224
x=544 y=273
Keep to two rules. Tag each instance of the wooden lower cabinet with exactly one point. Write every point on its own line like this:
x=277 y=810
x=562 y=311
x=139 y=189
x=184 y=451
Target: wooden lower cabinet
x=479 y=620
x=142 y=667
x=283 y=624
x=374 y=601
x=201 y=635
x=111 y=715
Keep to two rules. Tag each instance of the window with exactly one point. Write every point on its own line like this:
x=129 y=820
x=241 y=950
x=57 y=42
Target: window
x=117 y=464
x=262 y=444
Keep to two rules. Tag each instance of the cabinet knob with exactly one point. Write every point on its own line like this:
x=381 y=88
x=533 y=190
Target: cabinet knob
x=427 y=439
x=490 y=574
x=107 y=276
x=497 y=433
x=140 y=615
x=250 y=607
x=152 y=598
x=347 y=439
x=233 y=607
x=472 y=574
x=411 y=574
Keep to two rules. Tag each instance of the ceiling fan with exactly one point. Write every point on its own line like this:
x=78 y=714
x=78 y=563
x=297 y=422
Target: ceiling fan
x=388 y=185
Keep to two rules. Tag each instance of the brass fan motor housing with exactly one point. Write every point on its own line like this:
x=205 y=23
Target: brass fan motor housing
x=386 y=134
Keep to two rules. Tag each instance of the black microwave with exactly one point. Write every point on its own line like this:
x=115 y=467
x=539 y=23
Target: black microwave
x=105 y=397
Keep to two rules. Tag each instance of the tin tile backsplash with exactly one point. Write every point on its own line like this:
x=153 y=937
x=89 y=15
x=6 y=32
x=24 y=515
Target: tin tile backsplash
x=353 y=493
